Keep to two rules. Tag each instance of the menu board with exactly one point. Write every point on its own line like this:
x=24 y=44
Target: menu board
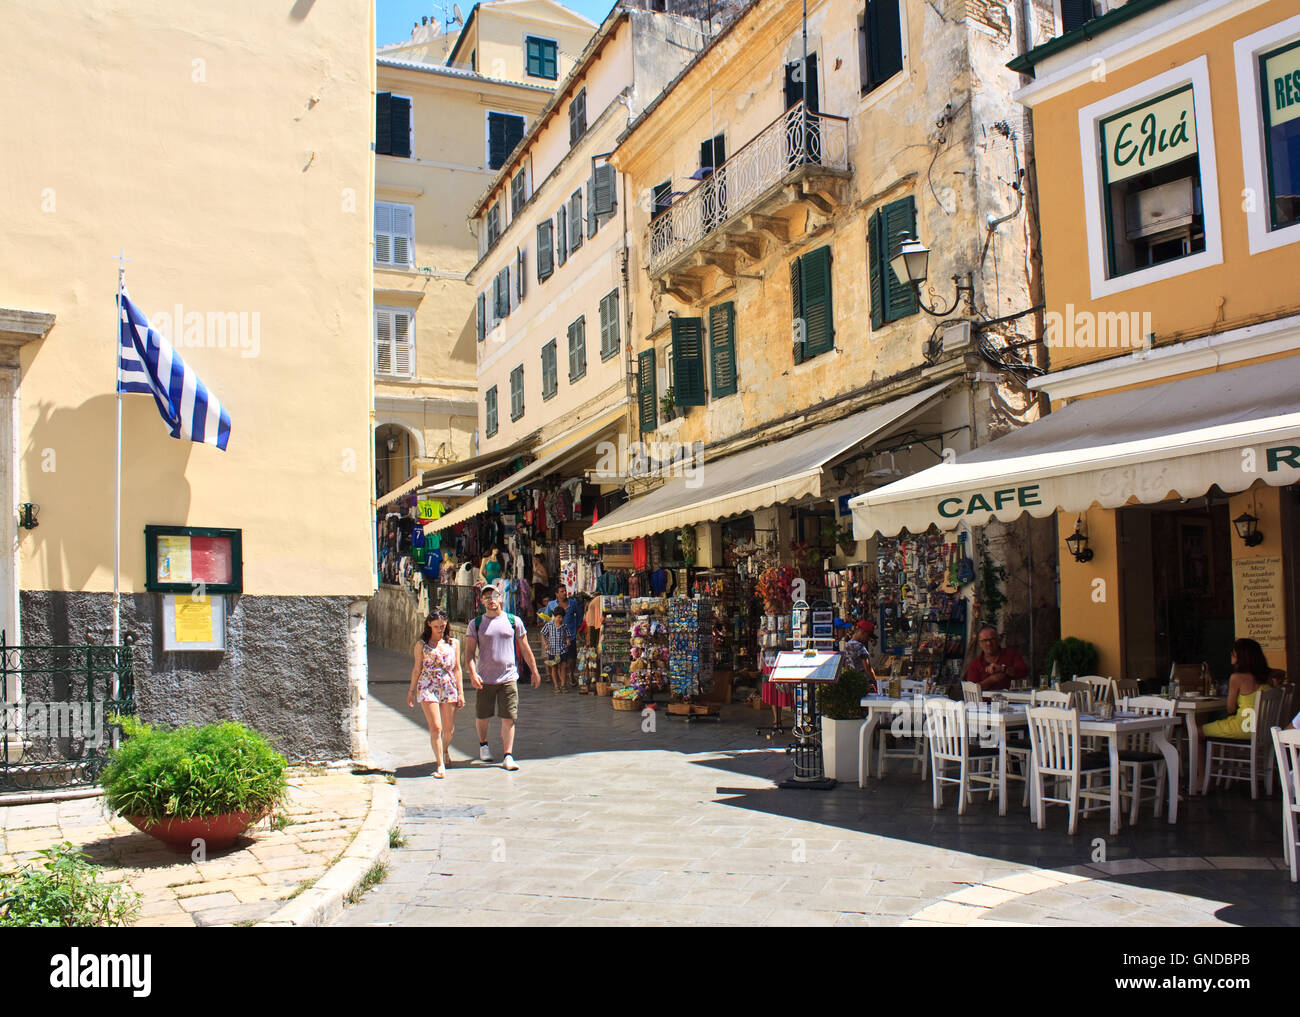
x=183 y=559
x=1258 y=600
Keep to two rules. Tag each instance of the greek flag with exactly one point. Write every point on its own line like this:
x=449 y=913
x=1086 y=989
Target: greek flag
x=147 y=364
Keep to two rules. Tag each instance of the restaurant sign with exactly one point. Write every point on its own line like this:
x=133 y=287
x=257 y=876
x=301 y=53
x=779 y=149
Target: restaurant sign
x=1282 y=81
x=990 y=501
x=1152 y=135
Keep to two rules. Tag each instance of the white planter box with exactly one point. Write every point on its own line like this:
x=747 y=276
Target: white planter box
x=840 y=748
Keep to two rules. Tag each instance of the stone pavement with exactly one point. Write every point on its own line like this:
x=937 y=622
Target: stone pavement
x=246 y=883
x=610 y=824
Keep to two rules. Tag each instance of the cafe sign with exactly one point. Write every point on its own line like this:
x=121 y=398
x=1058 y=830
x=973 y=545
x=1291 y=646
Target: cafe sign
x=1149 y=136
x=993 y=500
x=1282 y=85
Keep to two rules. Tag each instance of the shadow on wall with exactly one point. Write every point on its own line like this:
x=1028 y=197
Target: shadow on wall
x=67 y=469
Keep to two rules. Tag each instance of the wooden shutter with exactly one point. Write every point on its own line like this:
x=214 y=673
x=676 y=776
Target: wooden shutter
x=562 y=234
x=898 y=217
x=403 y=344
x=794 y=86
x=799 y=325
x=578 y=117
x=383 y=124
x=550 y=60
x=647 y=398
x=874 y=243
x=383 y=233
x=884 y=41
x=520 y=286
x=577 y=349
x=517 y=193
x=517 y=392
x=663 y=197
x=394 y=234
x=1075 y=14
x=535 y=57
x=605 y=199
x=688 y=362
x=501 y=294
x=383 y=342
x=400 y=125
x=722 y=349
x=549 y=379
x=481 y=307
x=490 y=411
x=817 y=301
x=593 y=221
x=545 y=249
x=575 y=221
x=609 y=331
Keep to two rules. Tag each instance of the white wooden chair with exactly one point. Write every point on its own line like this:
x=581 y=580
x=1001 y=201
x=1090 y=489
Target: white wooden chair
x=1124 y=688
x=1139 y=752
x=1058 y=754
x=1061 y=700
x=1102 y=688
x=910 y=746
x=1286 y=749
x=1084 y=690
x=1245 y=758
x=948 y=734
x=970 y=693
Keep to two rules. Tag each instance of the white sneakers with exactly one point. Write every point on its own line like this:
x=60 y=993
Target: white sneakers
x=484 y=753
x=509 y=763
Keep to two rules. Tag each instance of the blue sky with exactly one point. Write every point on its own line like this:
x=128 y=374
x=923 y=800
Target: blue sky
x=395 y=17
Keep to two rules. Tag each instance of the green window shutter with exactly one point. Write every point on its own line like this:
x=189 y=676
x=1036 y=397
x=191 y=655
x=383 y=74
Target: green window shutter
x=688 y=362
x=593 y=220
x=604 y=198
x=647 y=398
x=549 y=379
x=609 y=332
x=898 y=217
x=722 y=349
x=577 y=349
x=481 y=316
x=383 y=123
x=816 y=271
x=575 y=220
x=562 y=235
x=490 y=412
x=545 y=250
x=517 y=392
x=798 y=325
x=873 y=264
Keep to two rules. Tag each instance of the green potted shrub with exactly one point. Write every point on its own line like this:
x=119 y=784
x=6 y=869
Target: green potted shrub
x=667 y=404
x=841 y=708
x=190 y=783
x=1072 y=657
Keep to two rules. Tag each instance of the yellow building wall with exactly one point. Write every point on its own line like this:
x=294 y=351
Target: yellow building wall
x=1244 y=288
x=1091 y=606
x=220 y=151
x=501 y=34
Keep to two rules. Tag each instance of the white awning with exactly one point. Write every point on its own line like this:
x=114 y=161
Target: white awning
x=757 y=478
x=1172 y=440
x=410 y=485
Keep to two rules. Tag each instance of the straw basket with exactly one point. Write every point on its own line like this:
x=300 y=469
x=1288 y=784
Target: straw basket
x=627 y=705
x=604 y=688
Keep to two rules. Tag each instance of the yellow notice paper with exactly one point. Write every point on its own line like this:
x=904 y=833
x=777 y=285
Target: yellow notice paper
x=193 y=619
x=174 y=560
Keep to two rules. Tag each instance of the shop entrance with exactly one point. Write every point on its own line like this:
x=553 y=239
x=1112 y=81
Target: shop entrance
x=1176 y=578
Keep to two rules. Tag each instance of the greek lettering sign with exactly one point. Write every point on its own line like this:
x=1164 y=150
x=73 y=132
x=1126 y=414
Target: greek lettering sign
x=1153 y=135
x=1282 y=80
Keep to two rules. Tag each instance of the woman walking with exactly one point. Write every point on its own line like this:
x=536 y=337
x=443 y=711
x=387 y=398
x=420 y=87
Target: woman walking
x=437 y=685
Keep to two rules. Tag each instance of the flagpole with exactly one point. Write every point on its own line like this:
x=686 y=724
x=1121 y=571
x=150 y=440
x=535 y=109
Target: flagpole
x=117 y=477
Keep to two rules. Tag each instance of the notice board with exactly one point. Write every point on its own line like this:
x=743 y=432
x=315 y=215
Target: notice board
x=1258 y=603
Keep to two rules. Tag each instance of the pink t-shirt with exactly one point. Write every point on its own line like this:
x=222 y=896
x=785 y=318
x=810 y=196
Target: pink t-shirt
x=496 y=647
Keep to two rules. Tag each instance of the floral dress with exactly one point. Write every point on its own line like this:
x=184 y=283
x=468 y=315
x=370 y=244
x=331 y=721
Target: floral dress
x=437 y=682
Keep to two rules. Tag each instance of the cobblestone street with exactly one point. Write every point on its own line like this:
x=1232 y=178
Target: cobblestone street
x=608 y=824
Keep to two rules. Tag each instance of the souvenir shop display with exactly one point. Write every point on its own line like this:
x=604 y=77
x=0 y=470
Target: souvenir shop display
x=648 y=652
x=853 y=592
x=923 y=616
x=615 y=639
x=588 y=667
x=690 y=645
x=733 y=640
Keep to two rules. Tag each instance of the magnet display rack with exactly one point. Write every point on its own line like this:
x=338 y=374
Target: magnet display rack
x=920 y=621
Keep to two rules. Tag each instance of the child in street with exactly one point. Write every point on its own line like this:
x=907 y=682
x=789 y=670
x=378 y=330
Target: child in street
x=555 y=639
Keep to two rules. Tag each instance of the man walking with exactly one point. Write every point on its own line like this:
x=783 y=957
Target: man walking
x=493 y=638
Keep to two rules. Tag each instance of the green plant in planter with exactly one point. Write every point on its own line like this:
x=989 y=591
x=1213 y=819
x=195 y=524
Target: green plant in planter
x=667 y=404
x=1071 y=656
x=842 y=700
x=62 y=892
x=191 y=771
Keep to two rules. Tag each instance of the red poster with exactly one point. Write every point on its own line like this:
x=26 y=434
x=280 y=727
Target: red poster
x=210 y=559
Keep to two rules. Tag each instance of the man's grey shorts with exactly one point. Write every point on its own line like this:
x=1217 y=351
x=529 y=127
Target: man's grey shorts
x=497 y=701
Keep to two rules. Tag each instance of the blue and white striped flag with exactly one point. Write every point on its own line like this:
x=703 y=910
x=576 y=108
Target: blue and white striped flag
x=148 y=364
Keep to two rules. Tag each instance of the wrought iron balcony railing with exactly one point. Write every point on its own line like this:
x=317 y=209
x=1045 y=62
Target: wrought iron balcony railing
x=788 y=144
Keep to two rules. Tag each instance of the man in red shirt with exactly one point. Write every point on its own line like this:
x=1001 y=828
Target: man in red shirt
x=995 y=667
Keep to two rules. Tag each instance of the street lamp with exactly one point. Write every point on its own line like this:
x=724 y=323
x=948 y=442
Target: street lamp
x=911 y=263
x=1078 y=543
x=1248 y=529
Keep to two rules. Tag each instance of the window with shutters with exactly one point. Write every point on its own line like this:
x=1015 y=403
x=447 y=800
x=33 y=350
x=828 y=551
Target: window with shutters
x=891 y=298
x=1075 y=14
x=394 y=342
x=688 y=362
x=575 y=221
x=880 y=42
x=481 y=316
x=578 y=349
x=501 y=295
x=550 y=372
x=577 y=117
x=602 y=196
x=542 y=57
x=393 y=131
x=490 y=412
x=662 y=197
x=394 y=234
x=609 y=332
x=493 y=225
x=517 y=392
x=562 y=234
x=545 y=249
x=520 y=288
x=504 y=132
x=810 y=298
x=722 y=350
x=646 y=394
x=518 y=193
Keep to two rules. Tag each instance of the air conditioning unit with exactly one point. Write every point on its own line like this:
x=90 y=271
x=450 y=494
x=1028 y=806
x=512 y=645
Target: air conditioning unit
x=1157 y=210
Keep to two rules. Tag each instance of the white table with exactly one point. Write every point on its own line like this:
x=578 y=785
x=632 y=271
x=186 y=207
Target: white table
x=1192 y=709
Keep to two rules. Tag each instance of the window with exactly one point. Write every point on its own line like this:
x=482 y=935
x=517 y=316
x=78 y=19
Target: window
x=505 y=131
x=795 y=80
x=1075 y=14
x=394 y=234
x=545 y=249
x=490 y=412
x=609 y=334
x=810 y=297
x=713 y=153
x=1151 y=188
x=602 y=199
x=577 y=117
x=722 y=349
x=481 y=316
x=550 y=375
x=394 y=342
x=646 y=396
x=517 y=392
x=688 y=362
x=518 y=193
x=662 y=198
x=493 y=225
x=520 y=288
x=575 y=221
x=1279 y=73
x=562 y=234
x=578 y=349
x=542 y=55
x=501 y=295
x=891 y=298
x=392 y=125
x=880 y=50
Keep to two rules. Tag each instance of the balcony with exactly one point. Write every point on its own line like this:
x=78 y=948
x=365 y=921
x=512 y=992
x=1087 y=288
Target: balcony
x=735 y=213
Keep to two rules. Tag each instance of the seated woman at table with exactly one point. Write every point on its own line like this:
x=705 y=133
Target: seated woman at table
x=995 y=667
x=1250 y=672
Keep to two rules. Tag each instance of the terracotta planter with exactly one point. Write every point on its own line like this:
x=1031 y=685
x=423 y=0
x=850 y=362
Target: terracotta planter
x=216 y=832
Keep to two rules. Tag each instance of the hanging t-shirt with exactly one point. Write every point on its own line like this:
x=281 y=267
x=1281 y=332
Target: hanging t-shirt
x=640 y=553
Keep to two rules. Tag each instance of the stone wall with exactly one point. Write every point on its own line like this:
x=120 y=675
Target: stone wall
x=393 y=619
